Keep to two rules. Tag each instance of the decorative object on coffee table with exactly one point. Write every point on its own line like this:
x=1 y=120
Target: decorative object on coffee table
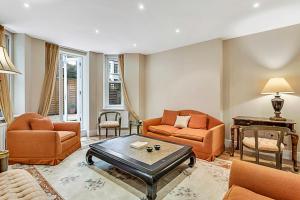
x=149 y=167
x=241 y=121
x=3 y=160
x=277 y=86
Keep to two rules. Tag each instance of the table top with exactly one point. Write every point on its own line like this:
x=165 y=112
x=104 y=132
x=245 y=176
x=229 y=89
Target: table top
x=263 y=119
x=119 y=148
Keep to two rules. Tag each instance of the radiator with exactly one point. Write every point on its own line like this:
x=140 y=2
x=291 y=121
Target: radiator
x=2 y=135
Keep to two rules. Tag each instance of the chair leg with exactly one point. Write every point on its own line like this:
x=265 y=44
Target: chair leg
x=281 y=160
x=116 y=132
x=106 y=131
x=277 y=160
x=99 y=129
x=241 y=151
x=119 y=130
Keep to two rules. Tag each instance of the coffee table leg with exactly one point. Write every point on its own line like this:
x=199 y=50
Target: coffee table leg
x=151 y=191
x=88 y=157
x=192 y=160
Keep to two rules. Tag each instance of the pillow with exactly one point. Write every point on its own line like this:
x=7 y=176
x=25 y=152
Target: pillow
x=182 y=121
x=169 y=117
x=41 y=124
x=198 y=121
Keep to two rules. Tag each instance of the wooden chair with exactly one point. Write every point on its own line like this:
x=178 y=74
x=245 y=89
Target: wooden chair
x=263 y=144
x=109 y=124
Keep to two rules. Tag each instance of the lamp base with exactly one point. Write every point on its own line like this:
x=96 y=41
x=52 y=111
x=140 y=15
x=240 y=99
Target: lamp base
x=277 y=118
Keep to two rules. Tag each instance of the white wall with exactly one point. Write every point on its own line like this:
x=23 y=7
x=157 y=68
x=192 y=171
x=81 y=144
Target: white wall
x=185 y=78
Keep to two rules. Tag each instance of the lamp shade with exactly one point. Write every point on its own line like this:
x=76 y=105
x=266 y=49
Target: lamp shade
x=6 y=65
x=277 y=85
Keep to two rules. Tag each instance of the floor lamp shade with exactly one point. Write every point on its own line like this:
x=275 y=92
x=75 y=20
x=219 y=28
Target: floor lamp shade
x=277 y=86
x=6 y=65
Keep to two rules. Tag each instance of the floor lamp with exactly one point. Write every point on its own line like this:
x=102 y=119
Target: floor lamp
x=6 y=67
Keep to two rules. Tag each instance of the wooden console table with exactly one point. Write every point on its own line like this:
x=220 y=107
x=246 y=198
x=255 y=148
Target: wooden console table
x=247 y=121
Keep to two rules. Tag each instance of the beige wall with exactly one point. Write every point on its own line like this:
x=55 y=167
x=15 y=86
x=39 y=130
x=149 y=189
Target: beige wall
x=133 y=76
x=29 y=57
x=185 y=78
x=249 y=62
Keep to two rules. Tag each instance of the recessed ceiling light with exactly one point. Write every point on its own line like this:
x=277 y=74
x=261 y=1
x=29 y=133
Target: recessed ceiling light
x=97 y=31
x=141 y=6
x=134 y=45
x=256 y=5
x=26 y=5
x=177 y=30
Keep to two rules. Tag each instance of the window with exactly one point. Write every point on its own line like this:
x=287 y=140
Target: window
x=113 y=98
x=8 y=45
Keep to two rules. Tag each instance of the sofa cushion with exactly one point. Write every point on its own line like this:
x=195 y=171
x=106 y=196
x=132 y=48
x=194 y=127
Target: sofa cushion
x=182 y=121
x=191 y=134
x=65 y=135
x=198 y=121
x=163 y=129
x=238 y=193
x=41 y=124
x=169 y=117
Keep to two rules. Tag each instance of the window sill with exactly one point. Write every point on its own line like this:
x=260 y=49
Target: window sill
x=120 y=108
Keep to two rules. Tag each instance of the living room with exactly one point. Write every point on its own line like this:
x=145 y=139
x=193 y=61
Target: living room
x=151 y=99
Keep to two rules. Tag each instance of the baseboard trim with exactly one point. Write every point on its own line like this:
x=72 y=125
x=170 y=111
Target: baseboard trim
x=287 y=154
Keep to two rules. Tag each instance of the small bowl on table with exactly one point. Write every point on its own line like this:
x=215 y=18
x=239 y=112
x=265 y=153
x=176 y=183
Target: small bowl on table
x=149 y=149
x=157 y=147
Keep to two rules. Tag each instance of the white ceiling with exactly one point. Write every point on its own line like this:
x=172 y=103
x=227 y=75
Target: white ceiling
x=72 y=23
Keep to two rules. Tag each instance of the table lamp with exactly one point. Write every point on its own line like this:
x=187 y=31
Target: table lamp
x=277 y=86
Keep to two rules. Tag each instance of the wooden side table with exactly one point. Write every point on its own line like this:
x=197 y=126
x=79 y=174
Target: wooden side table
x=247 y=121
x=136 y=123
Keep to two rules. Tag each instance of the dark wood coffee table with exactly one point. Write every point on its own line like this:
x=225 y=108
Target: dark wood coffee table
x=149 y=167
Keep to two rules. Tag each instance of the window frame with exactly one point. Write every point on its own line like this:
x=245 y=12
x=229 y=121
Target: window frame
x=106 y=73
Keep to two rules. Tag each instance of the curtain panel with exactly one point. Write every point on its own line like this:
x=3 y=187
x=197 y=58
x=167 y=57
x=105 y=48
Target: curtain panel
x=51 y=62
x=124 y=89
x=5 y=98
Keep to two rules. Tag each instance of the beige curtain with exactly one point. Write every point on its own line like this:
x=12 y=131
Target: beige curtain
x=51 y=52
x=5 y=101
x=125 y=94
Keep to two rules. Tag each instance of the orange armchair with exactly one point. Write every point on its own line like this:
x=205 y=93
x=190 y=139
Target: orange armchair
x=41 y=146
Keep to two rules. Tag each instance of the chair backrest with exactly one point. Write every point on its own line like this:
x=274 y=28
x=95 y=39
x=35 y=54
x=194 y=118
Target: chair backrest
x=212 y=122
x=116 y=115
x=22 y=122
x=280 y=131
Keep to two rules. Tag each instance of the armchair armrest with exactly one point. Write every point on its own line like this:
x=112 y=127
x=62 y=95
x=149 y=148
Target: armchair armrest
x=33 y=143
x=68 y=126
x=266 y=181
x=150 y=122
x=215 y=139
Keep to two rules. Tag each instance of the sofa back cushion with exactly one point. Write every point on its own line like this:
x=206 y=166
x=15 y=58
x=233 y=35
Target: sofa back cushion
x=41 y=124
x=169 y=117
x=212 y=122
x=198 y=121
x=22 y=122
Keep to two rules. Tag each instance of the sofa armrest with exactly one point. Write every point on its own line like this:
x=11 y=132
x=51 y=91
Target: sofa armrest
x=150 y=122
x=266 y=181
x=33 y=143
x=215 y=139
x=68 y=126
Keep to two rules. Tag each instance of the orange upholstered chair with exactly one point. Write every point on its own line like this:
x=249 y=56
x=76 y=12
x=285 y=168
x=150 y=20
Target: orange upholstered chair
x=48 y=146
x=249 y=181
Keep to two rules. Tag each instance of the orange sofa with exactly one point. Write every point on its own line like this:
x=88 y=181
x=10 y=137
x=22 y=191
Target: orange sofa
x=41 y=146
x=207 y=143
x=249 y=181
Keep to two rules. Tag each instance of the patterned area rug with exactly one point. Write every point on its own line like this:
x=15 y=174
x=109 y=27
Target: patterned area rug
x=74 y=179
